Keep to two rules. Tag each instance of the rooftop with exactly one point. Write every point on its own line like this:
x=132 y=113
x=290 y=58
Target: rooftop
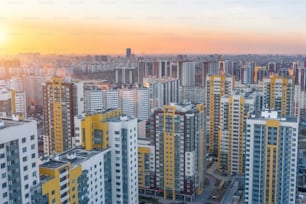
x=73 y=156
x=271 y=115
x=53 y=164
x=186 y=107
x=82 y=116
x=121 y=118
x=10 y=122
x=77 y=155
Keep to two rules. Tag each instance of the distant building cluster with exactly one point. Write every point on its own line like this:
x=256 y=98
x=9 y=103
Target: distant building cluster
x=102 y=129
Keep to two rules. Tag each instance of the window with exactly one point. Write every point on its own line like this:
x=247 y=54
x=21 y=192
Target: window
x=33 y=146
x=33 y=155
x=32 y=137
x=23 y=140
x=3 y=185
x=33 y=164
x=25 y=168
x=24 y=149
x=24 y=159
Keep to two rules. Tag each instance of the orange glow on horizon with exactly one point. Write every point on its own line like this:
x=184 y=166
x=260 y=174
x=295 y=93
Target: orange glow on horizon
x=72 y=38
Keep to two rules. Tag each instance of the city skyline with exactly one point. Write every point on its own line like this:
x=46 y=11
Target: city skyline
x=81 y=27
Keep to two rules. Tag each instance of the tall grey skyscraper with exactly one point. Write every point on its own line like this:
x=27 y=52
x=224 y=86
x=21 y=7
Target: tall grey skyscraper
x=188 y=74
x=128 y=52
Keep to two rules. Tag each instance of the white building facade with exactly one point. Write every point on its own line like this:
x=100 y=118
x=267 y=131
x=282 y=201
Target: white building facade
x=271 y=159
x=123 y=141
x=18 y=160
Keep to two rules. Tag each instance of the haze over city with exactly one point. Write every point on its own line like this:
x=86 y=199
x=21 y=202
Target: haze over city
x=137 y=101
x=152 y=27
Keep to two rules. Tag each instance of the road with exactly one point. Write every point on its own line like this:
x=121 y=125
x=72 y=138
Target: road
x=210 y=174
x=228 y=197
x=204 y=197
x=207 y=190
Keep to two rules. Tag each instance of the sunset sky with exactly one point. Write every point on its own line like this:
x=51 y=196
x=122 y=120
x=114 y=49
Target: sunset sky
x=159 y=26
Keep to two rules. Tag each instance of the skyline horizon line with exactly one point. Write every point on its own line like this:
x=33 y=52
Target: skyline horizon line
x=153 y=53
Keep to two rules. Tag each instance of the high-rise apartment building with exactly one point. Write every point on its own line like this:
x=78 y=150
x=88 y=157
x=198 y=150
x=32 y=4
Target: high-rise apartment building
x=178 y=140
x=112 y=98
x=106 y=130
x=93 y=100
x=134 y=102
x=19 y=103
x=146 y=164
x=18 y=160
x=279 y=95
x=33 y=93
x=122 y=133
x=62 y=100
x=93 y=97
x=271 y=159
x=128 y=101
x=5 y=102
x=75 y=176
x=216 y=87
x=17 y=83
x=91 y=129
x=142 y=104
x=247 y=73
x=12 y=102
x=162 y=91
x=193 y=94
x=102 y=170
x=188 y=74
x=128 y=52
x=78 y=97
x=234 y=110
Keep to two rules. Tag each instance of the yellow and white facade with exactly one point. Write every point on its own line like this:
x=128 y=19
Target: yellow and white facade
x=91 y=130
x=178 y=139
x=279 y=95
x=76 y=176
x=58 y=115
x=234 y=110
x=216 y=87
x=271 y=159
